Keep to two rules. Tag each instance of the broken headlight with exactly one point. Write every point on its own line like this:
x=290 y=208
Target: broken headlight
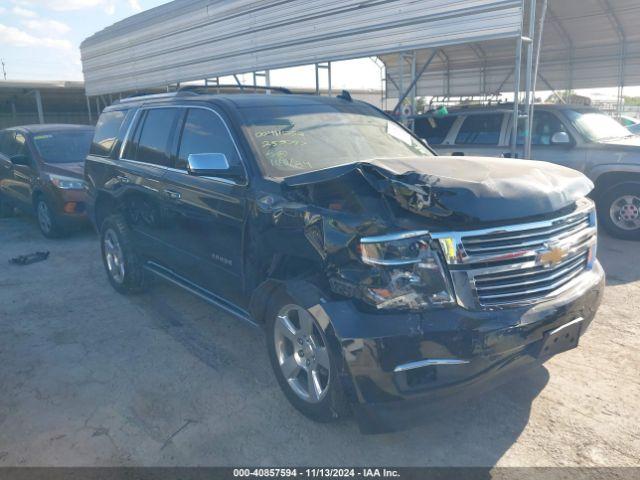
x=408 y=272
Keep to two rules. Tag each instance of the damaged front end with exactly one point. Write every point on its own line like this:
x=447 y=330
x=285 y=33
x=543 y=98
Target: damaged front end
x=371 y=231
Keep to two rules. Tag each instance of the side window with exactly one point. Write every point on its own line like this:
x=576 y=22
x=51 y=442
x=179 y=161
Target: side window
x=483 y=129
x=545 y=125
x=151 y=144
x=204 y=132
x=433 y=129
x=106 y=134
x=15 y=147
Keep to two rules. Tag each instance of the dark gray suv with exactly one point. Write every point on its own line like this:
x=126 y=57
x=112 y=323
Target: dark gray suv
x=581 y=138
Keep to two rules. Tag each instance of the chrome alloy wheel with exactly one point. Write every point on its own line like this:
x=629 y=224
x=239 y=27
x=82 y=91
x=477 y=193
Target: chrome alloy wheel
x=625 y=212
x=113 y=255
x=302 y=353
x=44 y=217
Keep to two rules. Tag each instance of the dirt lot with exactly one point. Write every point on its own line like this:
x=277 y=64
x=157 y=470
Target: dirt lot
x=89 y=377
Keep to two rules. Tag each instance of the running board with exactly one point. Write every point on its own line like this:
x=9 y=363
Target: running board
x=198 y=291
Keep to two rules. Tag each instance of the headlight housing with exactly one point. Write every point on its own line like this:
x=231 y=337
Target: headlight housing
x=66 y=183
x=409 y=272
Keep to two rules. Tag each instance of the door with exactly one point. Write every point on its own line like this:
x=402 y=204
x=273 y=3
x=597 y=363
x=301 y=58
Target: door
x=19 y=173
x=139 y=173
x=206 y=215
x=551 y=141
x=476 y=134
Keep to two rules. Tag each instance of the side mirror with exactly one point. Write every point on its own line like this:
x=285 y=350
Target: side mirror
x=208 y=164
x=560 y=138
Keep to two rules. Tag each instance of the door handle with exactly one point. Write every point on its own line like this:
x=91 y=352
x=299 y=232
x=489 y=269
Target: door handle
x=173 y=195
x=457 y=154
x=122 y=179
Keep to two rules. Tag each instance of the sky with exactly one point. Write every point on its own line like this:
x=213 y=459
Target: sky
x=40 y=39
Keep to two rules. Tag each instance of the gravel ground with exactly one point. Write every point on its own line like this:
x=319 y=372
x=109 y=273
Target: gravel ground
x=90 y=377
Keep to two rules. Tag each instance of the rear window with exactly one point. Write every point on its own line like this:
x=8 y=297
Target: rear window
x=434 y=130
x=63 y=147
x=106 y=134
x=480 y=130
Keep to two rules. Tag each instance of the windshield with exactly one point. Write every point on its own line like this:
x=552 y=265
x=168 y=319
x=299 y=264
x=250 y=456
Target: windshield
x=295 y=139
x=596 y=126
x=63 y=147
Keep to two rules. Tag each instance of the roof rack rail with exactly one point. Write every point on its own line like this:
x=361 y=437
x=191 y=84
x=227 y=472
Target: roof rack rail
x=139 y=96
x=197 y=89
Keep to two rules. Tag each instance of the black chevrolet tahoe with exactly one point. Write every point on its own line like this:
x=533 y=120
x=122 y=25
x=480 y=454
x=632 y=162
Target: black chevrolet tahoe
x=387 y=279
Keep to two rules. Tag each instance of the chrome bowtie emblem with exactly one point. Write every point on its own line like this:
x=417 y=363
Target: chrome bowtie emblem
x=551 y=256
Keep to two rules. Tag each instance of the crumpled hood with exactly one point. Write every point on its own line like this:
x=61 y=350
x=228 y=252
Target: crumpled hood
x=466 y=190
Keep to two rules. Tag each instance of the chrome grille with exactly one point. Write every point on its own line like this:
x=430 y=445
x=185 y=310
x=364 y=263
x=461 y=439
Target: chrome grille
x=521 y=264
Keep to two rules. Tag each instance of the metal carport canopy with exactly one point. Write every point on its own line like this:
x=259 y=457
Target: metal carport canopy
x=188 y=40
x=586 y=44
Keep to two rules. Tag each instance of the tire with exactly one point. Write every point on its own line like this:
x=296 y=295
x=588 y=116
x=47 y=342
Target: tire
x=48 y=223
x=327 y=402
x=6 y=209
x=619 y=211
x=121 y=262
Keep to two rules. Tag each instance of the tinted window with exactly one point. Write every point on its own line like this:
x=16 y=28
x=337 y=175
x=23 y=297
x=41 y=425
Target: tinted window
x=204 y=132
x=152 y=144
x=434 y=130
x=545 y=125
x=63 y=147
x=480 y=130
x=106 y=134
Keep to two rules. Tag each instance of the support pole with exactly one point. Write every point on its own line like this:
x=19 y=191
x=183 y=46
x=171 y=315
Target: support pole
x=89 y=109
x=39 y=106
x=416 y=78
x=538 y=47
x=14 y=114
x=516 y=93
x=529 y=80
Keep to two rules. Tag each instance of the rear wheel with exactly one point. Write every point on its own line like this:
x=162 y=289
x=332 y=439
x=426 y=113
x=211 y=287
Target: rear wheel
x=304 y=361
x=122 y=263
x=619 y=211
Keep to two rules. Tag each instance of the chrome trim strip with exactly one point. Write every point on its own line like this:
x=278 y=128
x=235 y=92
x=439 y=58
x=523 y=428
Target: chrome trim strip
x=554 y=274
x=395 y=236
x=428 y=363
x=530 y=291
x=586 y=206
x=200 y=292
x=566 y=325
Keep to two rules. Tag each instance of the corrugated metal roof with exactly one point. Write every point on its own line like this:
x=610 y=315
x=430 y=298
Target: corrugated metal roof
x=581 y=49
x=193 y=39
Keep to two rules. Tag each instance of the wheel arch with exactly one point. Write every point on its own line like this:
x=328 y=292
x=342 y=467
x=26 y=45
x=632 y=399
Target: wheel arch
x=104 y=205
x=612 y=176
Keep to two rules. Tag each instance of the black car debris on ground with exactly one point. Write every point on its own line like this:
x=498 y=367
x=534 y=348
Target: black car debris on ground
x=387 y=278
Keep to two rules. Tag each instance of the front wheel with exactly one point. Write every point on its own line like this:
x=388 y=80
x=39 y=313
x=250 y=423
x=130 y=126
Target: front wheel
x=304 y=362
x=47 y=220
x=619 y=211
x=122 y=263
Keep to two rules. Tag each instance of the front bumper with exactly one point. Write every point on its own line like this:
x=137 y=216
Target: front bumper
x=70 y=207
x=379 y=350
